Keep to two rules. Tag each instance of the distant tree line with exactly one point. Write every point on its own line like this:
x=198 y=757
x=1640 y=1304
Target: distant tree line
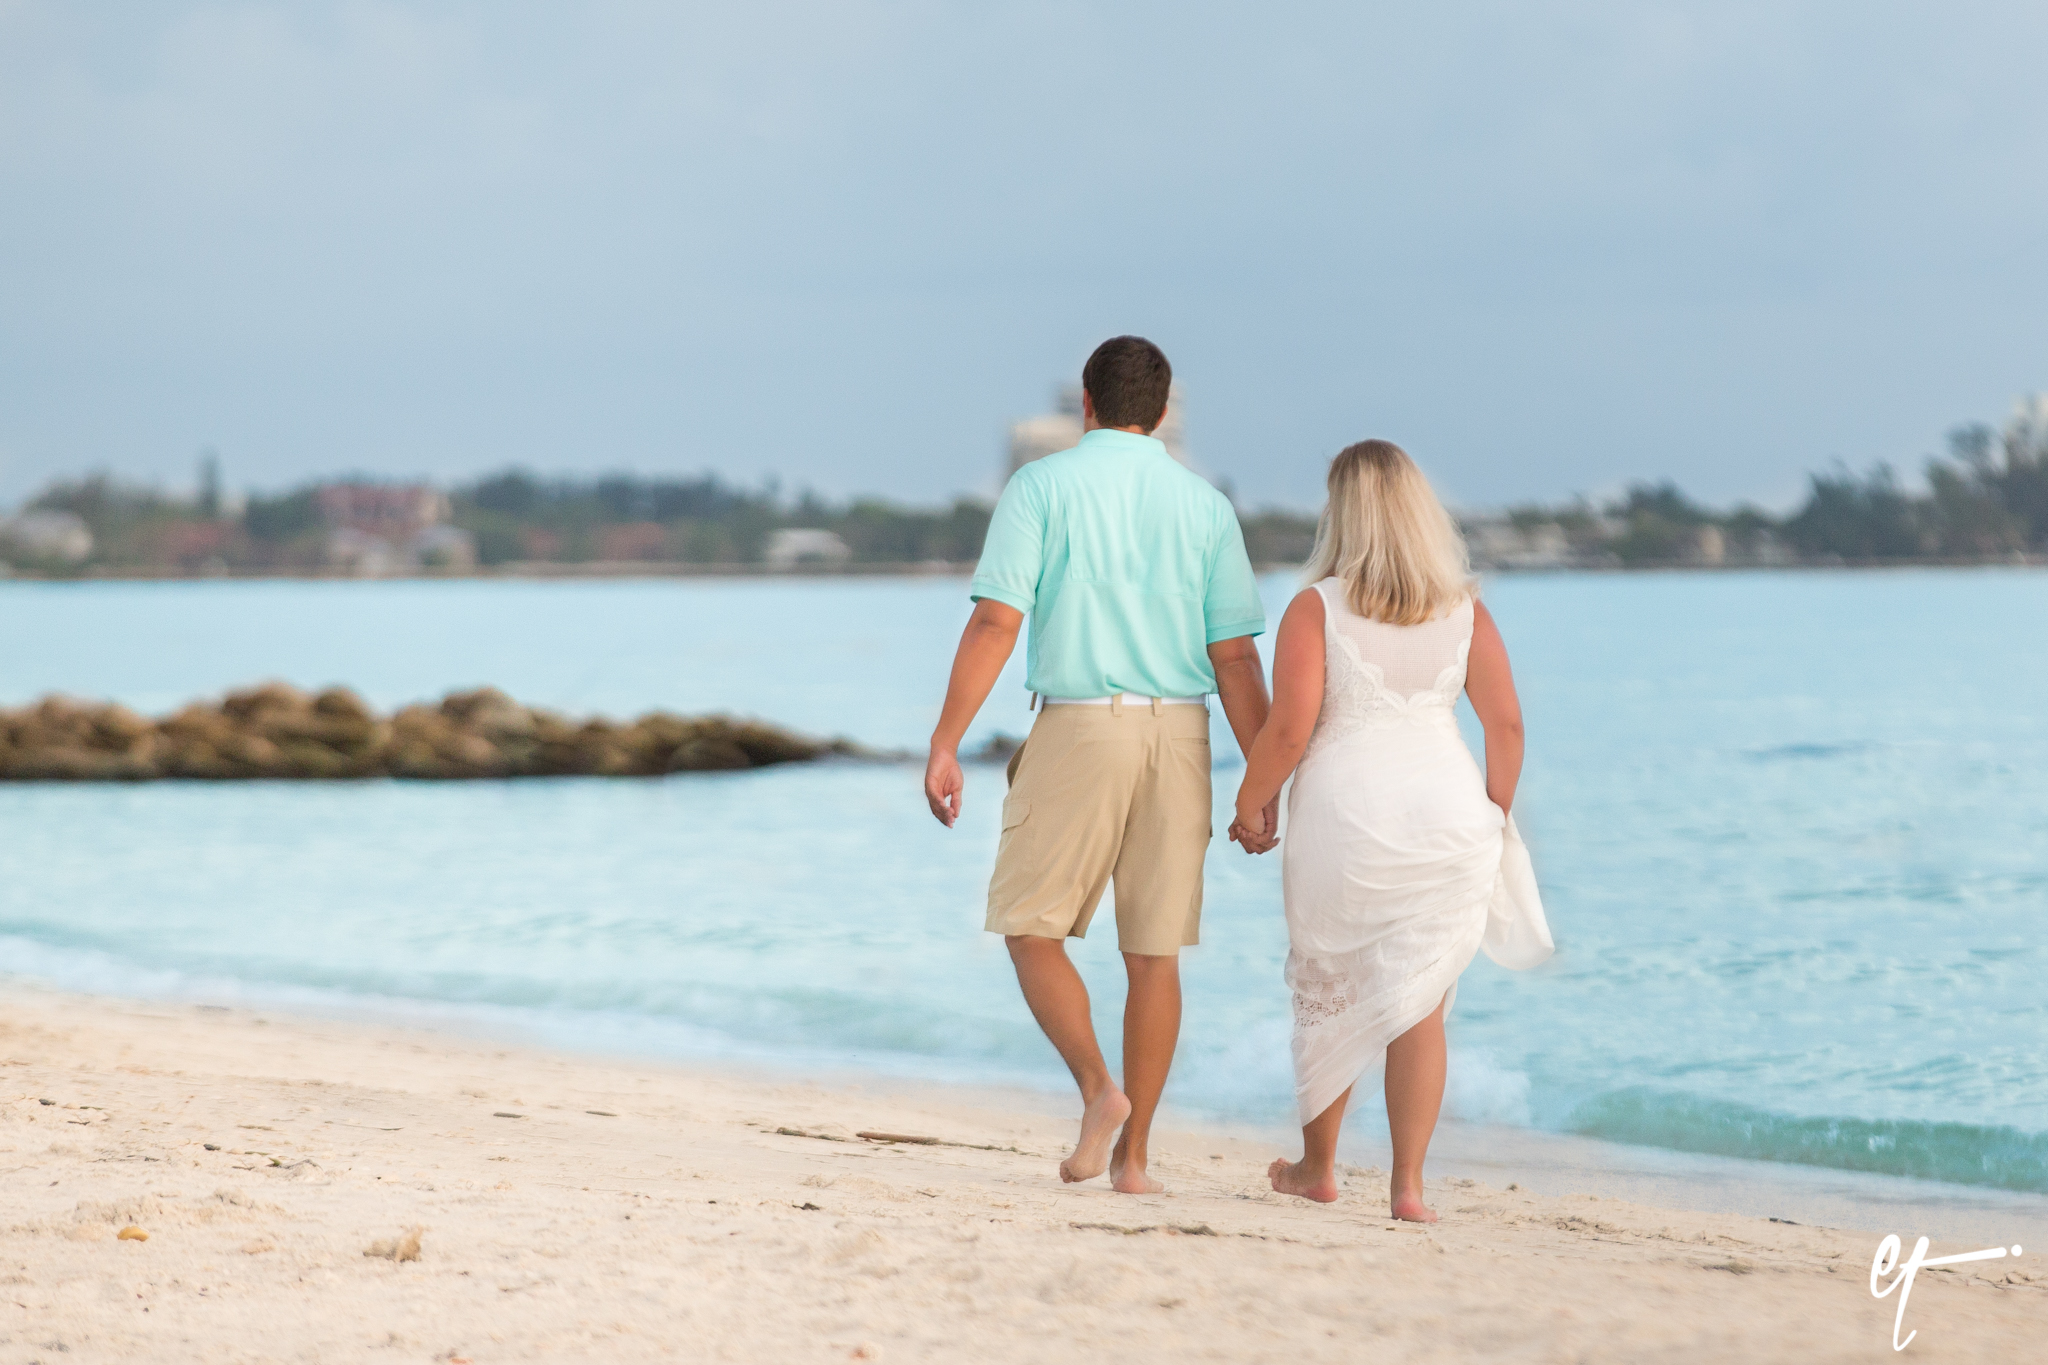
x=513 y=517
x=1986 y=499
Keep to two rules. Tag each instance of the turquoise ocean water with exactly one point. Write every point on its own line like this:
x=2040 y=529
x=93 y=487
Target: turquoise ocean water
x=1792 y=831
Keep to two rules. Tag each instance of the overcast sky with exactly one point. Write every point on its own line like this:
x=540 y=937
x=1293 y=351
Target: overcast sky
x=1549 y=247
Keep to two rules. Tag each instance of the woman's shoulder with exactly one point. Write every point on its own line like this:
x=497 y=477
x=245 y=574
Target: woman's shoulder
x=1307 y=606
x=1315 y=596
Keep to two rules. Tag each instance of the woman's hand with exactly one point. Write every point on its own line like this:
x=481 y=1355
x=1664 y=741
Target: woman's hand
x=1297 y=701
x=1256 y=827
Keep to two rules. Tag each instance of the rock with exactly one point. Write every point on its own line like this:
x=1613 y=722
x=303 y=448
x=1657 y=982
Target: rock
x=303 y=758
x=61 y=713
x=276 y=731
x=119 y=727
x=604 y=758
x=256 y=753
x=342 y=704
x=764 y=745
x=466 y=751
x=708 y=754
x=500 y=720
x=519 y=757
x=463 y=705
x=131 y=1233
x=339 y=732
x=550 y=727
x=415 y=758
x=999 y=749
x=271 y=696
x=71 y=762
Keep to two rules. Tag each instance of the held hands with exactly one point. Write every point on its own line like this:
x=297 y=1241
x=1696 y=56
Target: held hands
x=1257 y=828
x=943 y=785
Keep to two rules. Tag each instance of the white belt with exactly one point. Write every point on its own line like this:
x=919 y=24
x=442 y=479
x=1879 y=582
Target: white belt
x=1128 y=699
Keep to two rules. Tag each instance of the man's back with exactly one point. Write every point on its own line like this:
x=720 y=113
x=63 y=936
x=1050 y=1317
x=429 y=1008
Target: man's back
x=1129 y=565
x=1134 y=575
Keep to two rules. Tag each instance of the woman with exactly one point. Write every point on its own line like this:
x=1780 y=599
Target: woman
x=1400 y=861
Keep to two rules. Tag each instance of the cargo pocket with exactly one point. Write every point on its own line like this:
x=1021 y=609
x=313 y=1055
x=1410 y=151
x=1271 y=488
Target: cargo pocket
x=1016 y=817
x=1014 y=873
x=1015 y=813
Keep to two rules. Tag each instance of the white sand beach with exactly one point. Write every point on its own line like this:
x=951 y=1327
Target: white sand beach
x=569 y=1209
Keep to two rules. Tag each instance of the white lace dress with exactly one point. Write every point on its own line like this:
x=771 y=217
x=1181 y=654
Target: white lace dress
x=1397 y=868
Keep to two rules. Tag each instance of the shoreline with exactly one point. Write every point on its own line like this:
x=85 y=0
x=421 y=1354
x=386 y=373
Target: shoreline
x=577 y=1207
x=1546 y=1161
x=657 y=570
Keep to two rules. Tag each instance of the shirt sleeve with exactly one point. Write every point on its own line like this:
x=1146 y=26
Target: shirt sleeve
x=1230 y=603
x=1013 y=555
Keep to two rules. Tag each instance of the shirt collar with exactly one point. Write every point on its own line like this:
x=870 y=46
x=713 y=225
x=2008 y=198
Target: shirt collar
x=1108 y=438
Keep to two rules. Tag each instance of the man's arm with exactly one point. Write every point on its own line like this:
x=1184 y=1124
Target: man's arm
x=1241 y=686
x=985 y=647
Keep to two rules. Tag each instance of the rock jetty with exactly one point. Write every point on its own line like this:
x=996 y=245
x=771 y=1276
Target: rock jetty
x=282 y=733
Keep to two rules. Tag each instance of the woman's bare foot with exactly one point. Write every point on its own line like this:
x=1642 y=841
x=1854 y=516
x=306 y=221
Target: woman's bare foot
x=1099 y=1122
x=1129 y=1177
x=1409 y=1208
x=1289 y=1178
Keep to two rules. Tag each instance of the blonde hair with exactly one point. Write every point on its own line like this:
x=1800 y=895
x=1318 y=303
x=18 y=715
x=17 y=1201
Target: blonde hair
x=1384 y=532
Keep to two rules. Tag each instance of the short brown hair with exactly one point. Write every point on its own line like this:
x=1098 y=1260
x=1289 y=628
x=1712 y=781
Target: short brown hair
x=1129 y=379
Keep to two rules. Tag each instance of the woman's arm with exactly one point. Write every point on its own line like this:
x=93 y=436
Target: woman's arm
x=1297 y=701
x=1491 y=686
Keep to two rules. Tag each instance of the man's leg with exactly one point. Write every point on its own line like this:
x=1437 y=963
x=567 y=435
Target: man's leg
x=1059 y=1002
x=1151 y=1031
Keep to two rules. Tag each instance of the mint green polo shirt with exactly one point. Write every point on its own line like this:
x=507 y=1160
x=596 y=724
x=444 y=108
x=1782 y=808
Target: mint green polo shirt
x=1129 y=565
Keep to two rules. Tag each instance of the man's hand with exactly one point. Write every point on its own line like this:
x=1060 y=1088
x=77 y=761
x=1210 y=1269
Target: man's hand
x=984 y=647
x=943 y=785
x=1257 y=829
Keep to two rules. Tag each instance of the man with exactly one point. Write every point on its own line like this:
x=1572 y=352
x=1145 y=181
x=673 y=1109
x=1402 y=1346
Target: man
x=1142 y=602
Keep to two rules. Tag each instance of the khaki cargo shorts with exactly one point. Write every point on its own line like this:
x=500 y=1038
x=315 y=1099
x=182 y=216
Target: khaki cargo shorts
x=1101 y=792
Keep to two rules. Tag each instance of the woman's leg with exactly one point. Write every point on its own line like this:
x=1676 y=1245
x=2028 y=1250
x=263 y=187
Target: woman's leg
x=1315 y=1175
x=1415 y=1094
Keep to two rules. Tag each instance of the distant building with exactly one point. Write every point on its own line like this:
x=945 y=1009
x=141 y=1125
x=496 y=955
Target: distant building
x=632 y=540
x=395 y=511
x=375 y=529
x=441 y=547
x=362 y=554
x=195 y=544
x=1034 y=438
x=2026 y=434
x=1172 y=430
x=1497 y=542
x=47 y=535
x=801 y=545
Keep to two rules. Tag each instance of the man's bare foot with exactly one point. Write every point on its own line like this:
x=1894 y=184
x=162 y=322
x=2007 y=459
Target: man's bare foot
x=1099 y=1122
x=1289 y=1178
x=1409 y=1208
x=1129 y=1177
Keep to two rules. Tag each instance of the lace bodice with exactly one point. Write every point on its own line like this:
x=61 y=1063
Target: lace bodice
x=1379 y=674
